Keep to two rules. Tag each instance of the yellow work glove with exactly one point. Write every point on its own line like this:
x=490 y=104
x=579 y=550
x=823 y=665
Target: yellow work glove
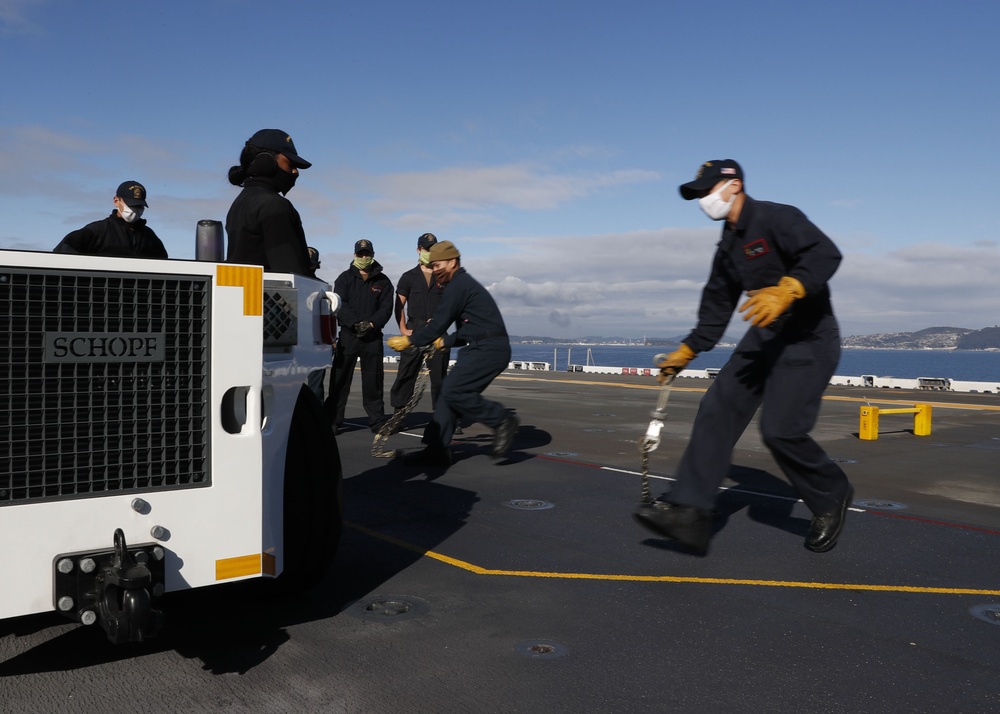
x=439 y=343
x=398 y=343
x=675 y=362
x=767 y=304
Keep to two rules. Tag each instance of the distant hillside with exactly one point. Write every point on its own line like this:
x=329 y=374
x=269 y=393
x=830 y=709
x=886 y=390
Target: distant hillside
x=726 y=341
x=930 y=338
x=987 y=338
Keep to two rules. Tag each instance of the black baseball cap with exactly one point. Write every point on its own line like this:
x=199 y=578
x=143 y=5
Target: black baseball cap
x=364 y=246
x=709 y=174
x=426 y=241
x=280 y=142
x=132 y=193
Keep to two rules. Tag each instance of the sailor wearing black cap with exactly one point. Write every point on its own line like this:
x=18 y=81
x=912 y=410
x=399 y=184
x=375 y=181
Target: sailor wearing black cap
x=418 y=294
x=365 y=306
x=123 y=234
x=263 y=226
x=486 y=353
x=783 y=262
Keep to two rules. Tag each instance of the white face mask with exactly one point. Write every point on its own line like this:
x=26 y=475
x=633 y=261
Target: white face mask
x=713 y=205
x=130 y=215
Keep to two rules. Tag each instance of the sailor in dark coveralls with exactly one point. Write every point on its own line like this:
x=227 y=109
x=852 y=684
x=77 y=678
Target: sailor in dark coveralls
x=418 y=293
x=783 y=363
x=486 y=354
x=262 y=224
x=123 y=234
x=365 y=306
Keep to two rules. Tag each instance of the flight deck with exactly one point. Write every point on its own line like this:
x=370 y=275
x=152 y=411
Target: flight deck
x=525 y=586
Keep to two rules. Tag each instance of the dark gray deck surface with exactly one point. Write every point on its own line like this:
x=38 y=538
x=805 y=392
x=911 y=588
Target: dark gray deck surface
x=572 y=607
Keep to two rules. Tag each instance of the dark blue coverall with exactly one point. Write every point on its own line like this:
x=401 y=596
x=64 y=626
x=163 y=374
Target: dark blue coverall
x=265 y=229
x=783 y=368
x=114 y=236
x=361 y=301
x=486 y=354
x=421 y=301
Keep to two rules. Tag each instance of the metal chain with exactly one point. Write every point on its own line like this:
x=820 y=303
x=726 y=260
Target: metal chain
x=651 y=439
x=644 y=449
x=426 y=353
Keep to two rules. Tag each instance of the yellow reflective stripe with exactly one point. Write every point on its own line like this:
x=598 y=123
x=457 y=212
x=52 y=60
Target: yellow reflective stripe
x=237 y=567
x=624 y=577
x=248 y=278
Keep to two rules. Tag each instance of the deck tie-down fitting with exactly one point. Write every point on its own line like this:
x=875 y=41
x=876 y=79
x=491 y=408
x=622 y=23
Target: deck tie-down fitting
x=868 y=427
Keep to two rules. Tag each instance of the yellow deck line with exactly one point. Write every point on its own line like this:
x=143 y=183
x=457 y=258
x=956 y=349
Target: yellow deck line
x=828 y=397
x=478 y=570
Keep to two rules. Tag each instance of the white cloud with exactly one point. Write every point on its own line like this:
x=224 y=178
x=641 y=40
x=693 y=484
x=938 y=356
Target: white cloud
x=14 y=16
x=650 y=283
x=922 y=285
x=644 y=282
x=564 y=284
x=524 y=186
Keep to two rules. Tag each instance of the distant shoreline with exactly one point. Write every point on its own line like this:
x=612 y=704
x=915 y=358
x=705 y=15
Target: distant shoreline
x=733 y=344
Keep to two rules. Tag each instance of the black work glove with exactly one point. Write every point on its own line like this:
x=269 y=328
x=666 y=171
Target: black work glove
x=361 y=328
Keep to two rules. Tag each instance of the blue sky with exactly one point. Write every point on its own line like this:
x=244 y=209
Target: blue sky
x=546 y=138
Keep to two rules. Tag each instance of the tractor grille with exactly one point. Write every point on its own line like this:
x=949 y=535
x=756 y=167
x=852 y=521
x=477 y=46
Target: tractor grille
x=281 y=323
x=103 y=383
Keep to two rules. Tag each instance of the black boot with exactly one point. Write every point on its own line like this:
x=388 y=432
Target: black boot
x=826 y=527
x=688 y=525
x=503 y=436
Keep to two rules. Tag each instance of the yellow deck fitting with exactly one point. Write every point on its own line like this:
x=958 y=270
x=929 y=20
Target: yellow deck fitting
x=868 y=428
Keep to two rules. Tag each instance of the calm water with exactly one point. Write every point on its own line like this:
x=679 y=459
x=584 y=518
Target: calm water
x=907 y=364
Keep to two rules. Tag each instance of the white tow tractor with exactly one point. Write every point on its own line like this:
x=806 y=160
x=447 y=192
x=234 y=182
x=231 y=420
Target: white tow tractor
x=156 y=434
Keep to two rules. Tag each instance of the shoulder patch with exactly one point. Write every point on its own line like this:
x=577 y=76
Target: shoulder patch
x=755 y=249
